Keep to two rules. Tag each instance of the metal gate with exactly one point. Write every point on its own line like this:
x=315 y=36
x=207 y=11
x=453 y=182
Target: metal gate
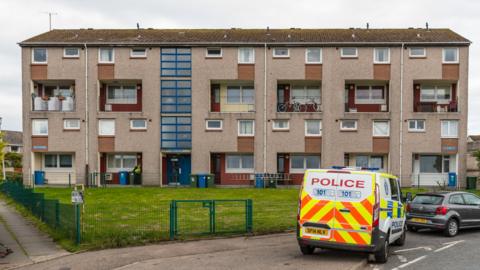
x=208 y=217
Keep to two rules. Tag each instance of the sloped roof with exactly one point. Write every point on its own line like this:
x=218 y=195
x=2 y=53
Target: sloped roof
x=244 y=36
x=13 y=137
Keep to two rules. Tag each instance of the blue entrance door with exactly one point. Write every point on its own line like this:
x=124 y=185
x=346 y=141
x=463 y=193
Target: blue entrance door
x=178 y=169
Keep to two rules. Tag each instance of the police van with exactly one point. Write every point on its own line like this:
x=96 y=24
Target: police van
x=351 y=209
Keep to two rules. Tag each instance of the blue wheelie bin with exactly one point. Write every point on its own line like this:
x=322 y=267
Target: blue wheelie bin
x=123 y=177
x=452 y=179
x=259 y=183
x=39 y=177
x=202 y=180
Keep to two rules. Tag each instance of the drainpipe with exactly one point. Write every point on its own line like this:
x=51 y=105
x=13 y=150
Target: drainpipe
x=401 y=112
x=265 y=109
x=86 y=114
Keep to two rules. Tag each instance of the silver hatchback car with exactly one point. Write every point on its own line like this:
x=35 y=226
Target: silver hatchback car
x=447 y=211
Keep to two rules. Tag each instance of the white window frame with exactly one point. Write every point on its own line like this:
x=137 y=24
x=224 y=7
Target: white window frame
x=306 y=128
x=313 y=62
x=239 y=59
x=416 y=129
x=435 y=89
x=348 y=56
x=380 y=121
x=100 y=58
x=241 y=95
x=213 y=120
x=280 y=56
x=450 y=62
x=208 y=55
x=121 y=101
x=138 y=56
x=138 y=128
x=417 y=56
x=39 y=62
x=279 y=128
x=241 y=169
x=449 y=123
x=370 y=100
x=100 y=121
x=375 y=56
x=305 y=88
x=122 y=161
x=343 y=128
x=297 y=170
x=66 y=127
x=253 y=128
x=71 y=56
x=57 y=157
x=34 y=132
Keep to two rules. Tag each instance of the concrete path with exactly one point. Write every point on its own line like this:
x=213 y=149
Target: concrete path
x=29 y=245
x=278 y=251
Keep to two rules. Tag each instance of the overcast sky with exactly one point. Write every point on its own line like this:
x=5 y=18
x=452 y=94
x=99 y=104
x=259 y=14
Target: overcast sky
x=21 y=19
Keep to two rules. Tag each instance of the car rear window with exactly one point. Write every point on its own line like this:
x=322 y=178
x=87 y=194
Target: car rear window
x=428 y=199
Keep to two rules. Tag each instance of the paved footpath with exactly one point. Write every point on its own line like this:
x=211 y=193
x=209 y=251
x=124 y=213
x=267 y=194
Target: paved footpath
x=29 y=245
x=278 y=251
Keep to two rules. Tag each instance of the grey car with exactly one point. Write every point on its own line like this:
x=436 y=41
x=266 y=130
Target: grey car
x=447 y=211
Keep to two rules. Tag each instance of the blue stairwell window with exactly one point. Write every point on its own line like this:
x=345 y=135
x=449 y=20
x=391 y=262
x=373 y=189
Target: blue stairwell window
x=176 y=62
x=176 y=96
x=176 y=133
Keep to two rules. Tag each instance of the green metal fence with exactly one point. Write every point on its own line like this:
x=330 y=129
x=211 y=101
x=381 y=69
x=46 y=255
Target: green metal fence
x=60 y=217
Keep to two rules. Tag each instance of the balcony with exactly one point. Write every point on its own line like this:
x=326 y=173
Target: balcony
x=435 y=97
x=366 y=97
x=55 y=97
x=124 y=96
x=299 y=97
x=232 y=97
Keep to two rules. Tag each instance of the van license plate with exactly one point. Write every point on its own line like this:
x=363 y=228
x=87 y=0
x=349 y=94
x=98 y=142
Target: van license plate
x=419 y=220
x=317 y=231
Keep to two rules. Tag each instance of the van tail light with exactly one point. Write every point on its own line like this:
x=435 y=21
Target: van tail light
x=376 y=207
x=441 y=210
x=408 y=208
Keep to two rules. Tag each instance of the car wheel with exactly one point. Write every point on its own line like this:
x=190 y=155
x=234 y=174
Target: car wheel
x=412 y=229
x=381 y=256
x=401 y=241
x=307 y=250
x=451 y=229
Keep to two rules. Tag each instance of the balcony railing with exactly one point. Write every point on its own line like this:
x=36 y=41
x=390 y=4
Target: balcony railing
x=436 y=107
x=294 y=106
x=245 y=104
x=58 y=104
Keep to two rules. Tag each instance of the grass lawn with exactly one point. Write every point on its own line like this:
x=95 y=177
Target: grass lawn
x=115 y=217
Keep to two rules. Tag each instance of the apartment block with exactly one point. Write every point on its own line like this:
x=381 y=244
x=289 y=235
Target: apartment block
x=234 y=102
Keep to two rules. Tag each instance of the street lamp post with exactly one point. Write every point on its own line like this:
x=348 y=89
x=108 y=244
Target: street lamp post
x=3 y=159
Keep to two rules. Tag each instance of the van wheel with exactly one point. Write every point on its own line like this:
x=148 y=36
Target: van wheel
x=307 y=250
x=451 y=229
x=412 y=229
x=381 y=256
x=401 y=241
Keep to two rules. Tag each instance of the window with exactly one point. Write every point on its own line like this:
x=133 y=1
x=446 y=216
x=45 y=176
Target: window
x=138 y=53
x=106 y=55
x=39 y=127
x=246 y=127
x=176 y=62
x=39 y=55
x=106 y=127
x=365 y=161
x=214 y=124
x=471 y=199
x=370 y=94
x=55 y=161
x=381 y=128
x=122 y=94
x=138 y=124
x=121 y=162
x=239 y=164
x=381 y=55
x=456 y=199
x=71 y=52
x=348 y=125
x=281 y=52
x=280 y=124
x=435 y=93
x=415 y=125
x=305 y=94
x=394 y=189
x=214 y=52
x=348 y=52
x=246 y=55
x=313 y=56
x=449 y=128
x=434 y=164
x=71 y=124
x=176 y=96
x=450 y=55
x=300 y=163
x=313 y=128
x=240 y=95
x=58 y=90
x=417 y=52
x=176 y=132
